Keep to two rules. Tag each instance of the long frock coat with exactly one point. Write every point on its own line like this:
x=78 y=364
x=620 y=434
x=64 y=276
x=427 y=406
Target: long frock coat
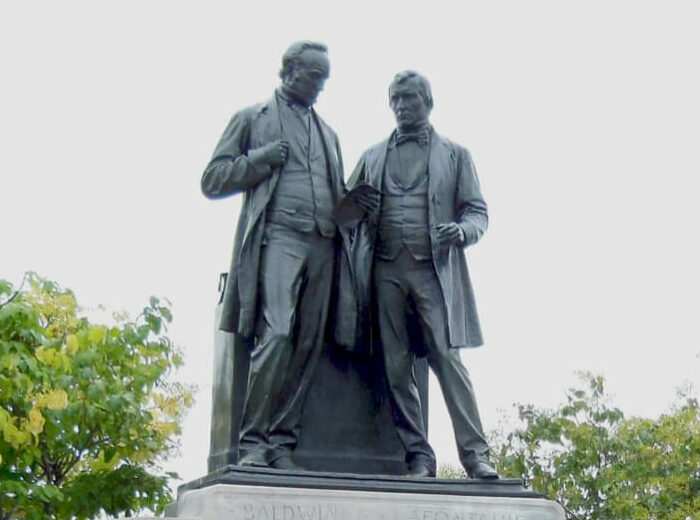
x=454 y=195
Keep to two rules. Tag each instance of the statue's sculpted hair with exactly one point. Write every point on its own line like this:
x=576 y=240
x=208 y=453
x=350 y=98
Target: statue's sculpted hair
x=423 y=84
x=291 y=56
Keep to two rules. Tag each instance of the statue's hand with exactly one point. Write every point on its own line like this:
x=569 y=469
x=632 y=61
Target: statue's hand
x=449 y=234
x=369 y=202
x=276 y=152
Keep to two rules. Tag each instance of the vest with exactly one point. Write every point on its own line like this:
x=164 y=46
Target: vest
x=303 y=198
x=403 y=218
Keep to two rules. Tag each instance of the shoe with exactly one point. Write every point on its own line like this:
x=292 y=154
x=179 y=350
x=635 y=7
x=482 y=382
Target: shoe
x=286 y=462
x=253 y=459
x=421 y=466
x=482 y=470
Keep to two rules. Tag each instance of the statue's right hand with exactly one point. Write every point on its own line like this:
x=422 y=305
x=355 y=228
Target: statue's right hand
x=276 y=152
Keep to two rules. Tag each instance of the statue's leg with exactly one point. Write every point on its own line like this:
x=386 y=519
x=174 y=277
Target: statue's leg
x=391 y=288
x=309 y=328
x=282 y=266
x=445 y=362
x=460 y=399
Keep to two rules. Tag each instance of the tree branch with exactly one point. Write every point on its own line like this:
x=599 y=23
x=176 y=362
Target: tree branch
x=70 y=464
x=46 y=464
x=568 y=511
x=9 y=300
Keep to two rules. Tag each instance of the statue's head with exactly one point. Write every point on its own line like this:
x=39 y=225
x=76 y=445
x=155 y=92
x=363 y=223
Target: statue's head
x=305 y=68
x=410 y=98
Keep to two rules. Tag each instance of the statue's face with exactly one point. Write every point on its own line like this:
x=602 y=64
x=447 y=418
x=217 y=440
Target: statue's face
x=306 y=79
x=408 y=105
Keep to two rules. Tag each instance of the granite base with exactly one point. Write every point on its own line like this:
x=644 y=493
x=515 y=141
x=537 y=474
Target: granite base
x=264 y=494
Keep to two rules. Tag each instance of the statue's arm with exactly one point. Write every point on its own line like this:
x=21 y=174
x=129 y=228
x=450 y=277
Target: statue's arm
x=233 y=167
x=470 y=207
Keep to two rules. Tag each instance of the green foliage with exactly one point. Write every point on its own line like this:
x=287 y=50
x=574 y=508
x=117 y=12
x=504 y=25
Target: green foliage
x=87 y=411
x=452 y=472
x=599 y=465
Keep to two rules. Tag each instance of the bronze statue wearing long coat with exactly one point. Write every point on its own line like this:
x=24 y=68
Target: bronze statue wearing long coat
x=278 y=294
x=454 y=195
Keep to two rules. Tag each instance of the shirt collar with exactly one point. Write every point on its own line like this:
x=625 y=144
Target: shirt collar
x=420 y=135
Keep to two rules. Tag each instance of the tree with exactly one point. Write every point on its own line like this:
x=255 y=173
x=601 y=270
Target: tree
x=599 y=465
x=88 y=412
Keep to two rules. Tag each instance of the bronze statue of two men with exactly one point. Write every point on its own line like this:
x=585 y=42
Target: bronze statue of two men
x=398 y=266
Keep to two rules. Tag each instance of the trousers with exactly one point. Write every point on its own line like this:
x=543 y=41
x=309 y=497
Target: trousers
x=294 y=285
x=400 y=284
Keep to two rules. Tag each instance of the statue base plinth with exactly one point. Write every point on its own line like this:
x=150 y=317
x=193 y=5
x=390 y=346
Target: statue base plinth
x=266 y=494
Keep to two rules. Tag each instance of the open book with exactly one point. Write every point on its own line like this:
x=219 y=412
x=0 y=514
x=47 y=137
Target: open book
x=349 y=211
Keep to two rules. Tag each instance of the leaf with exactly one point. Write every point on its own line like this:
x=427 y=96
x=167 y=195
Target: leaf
x=72 y=344
x=46 y=355
x=110 y=452
x=36 y=421
x=5 y=288
x=96 y=334
x=57 y=400
x=165 y=312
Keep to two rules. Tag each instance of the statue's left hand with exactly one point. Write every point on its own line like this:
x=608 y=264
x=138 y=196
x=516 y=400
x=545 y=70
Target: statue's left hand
x=449 y=234
x=369 y=202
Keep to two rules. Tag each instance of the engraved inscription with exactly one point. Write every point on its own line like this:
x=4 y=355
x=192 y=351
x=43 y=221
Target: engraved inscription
x=443 y=514
x=280 y=511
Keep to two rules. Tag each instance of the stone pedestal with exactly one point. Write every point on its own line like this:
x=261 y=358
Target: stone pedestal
x=261 y=494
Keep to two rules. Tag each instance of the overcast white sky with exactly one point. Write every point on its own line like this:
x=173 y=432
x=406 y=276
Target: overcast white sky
x=583 y=119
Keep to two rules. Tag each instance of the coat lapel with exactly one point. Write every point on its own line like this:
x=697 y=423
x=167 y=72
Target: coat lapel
x=375 y=175
x=271 y=131
x=435 y=166
x=268 y=129
x=271 y=128
x=331 y=153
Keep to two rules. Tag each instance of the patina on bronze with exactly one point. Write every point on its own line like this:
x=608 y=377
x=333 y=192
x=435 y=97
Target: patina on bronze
x=286 y=160
x=409 y=268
